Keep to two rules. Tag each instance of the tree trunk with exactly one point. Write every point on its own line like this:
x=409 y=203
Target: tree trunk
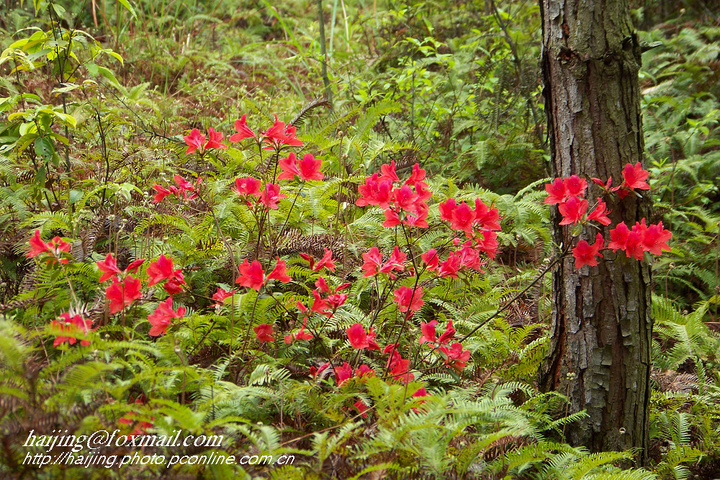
x=599 y=354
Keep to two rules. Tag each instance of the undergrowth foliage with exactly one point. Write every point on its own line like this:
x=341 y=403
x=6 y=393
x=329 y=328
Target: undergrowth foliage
x=311 y=286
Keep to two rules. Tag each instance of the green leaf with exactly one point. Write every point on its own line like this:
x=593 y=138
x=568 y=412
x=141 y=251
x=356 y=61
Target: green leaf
x=75 y=196
x=45 y=148
x=129 y=8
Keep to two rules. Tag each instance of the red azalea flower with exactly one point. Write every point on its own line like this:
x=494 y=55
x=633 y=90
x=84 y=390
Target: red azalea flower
x=278 y=273
x=360 y=339
x=556 y=192
x=619 y=237
x=450 y=267
x=343 y=373
x=122 y=294
x=488 y=244
x=300 y=335
x=134 y=265
x=469 y=257
x=409 y=299
x=215 y=139
x=446 y=209
x=404 y=198
x=655 y=239
x=420 y=392
x=455 y=356
x=303 y=335
x=326 y=262
x=599 y=214
x=162 y=192
x=162 y=269
x=373 y=260
x=263 y=333
x=242 y=129
x=336 y=300
x=194 y=141
x=375 y=192
x=247 y=186
x=288 y=166
x=421 y=189
x=108 y=267
x=396 y=262
x=575 y=186
x=72 y=328
x=391 y=218
x=319 y=305
x=271 y=196
x=364 y=371
x=309 y=168
x=401 y=371
x=361 y=408
x=635 y=177
x=462 y=218
x=220 y=295
x=431 y=259
x=418 y=174
x=279 y=135
x=322 y=285
x=572 y=210
x=488 y=218
x=55 y=247
x=585 y=254
x=251 y=275
x=428 y=332
x=388 y=172
x=308 y=258
x=448 y=334
x=174 y=284
x=161 y=318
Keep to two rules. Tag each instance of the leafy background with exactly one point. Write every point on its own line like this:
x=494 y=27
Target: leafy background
x=94 y=100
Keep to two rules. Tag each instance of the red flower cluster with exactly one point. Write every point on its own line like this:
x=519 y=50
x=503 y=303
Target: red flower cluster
x=263 y=333
x=72 y=328
x=344 y=372
x=181 y=191
x=253 y=276
x=196 y=141
x=110 y=270
x=640 y=239
x=399 y=368
x=455 y=356
x=122 y=294
x=360 y=339
x=633 y=179
x=374 y=264
x=409 y=299
x=325 y=262
x=162 y=269
x=585 y=254
x=465 y=257
x=275 y=137
x=404 y=204
x=568 y=194
x=325 y=306
x=483 y=221
x=55 y=247
x=307 y=169
x=428 y=333
x=220 y=295
x=300 y=335
x=162 y=317
x=269 y=196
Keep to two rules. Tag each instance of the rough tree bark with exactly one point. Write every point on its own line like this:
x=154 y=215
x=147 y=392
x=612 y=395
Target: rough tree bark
x=601 y=333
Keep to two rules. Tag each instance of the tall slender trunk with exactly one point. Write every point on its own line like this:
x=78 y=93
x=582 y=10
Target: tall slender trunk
x=601 y=332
